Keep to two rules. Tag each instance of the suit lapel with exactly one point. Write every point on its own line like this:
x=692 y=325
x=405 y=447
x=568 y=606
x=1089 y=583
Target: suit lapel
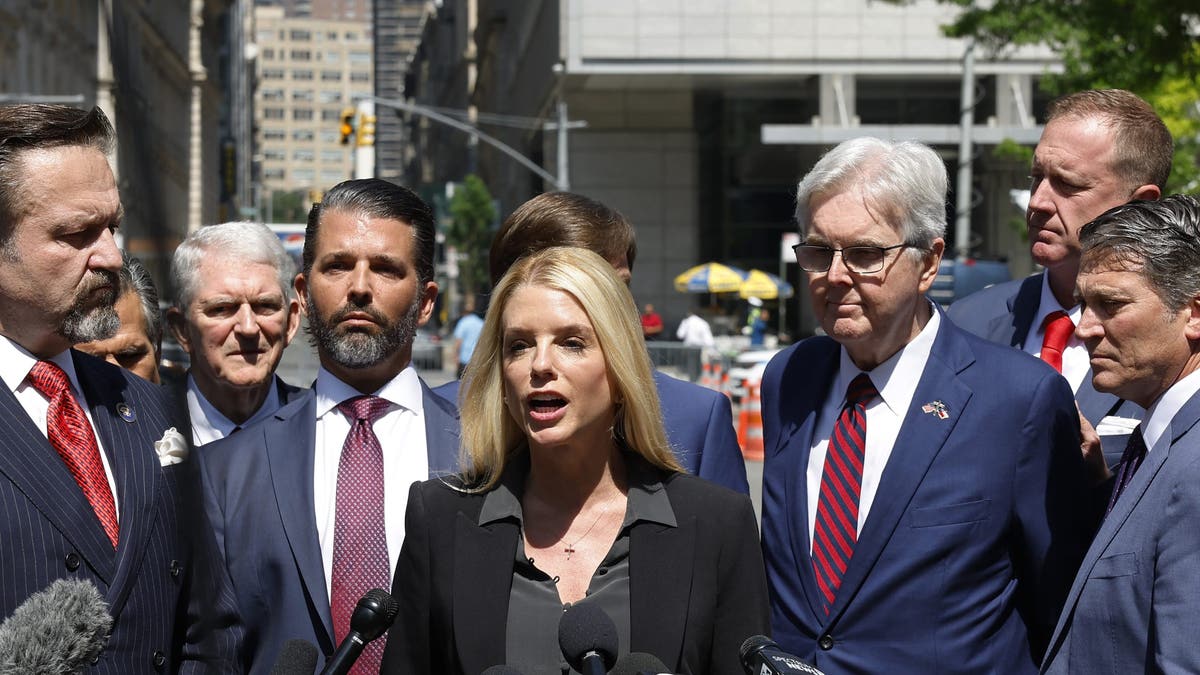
x=441 y=433
x=482 y=582
x=922 y=436
x=660 y=566
x=796 y=439
x=135 y=465
x=289 y=438
x=1013 y=328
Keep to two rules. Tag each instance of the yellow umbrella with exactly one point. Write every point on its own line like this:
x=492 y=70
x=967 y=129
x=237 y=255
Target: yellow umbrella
x=765 y=286
x=710 y=277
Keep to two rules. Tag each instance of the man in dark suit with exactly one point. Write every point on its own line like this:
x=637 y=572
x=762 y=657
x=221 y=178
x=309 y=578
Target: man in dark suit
x=923 y=489
x=83 y=492
x=1099 y=149
x=699 y=421
x=1134 y=605
x=298 y=500
x=234 y=315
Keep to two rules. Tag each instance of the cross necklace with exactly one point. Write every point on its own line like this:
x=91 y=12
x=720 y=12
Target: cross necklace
x=569 y=549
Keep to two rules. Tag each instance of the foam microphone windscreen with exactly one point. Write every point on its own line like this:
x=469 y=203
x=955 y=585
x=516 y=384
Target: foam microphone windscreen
x=501 y=670
x=59 y=629
x=585 y=629
x=636 y=663
x=298 y=657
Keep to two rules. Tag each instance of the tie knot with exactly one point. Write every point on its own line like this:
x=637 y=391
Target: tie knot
x=861 y=390
x=1058 y=323
x=48 y=378
x=363 y=408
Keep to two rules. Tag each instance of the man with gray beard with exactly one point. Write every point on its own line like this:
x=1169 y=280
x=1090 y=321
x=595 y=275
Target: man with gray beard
x=85 y=491
x=316 y=492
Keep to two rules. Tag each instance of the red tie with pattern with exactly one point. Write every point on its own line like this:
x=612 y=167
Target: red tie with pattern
x=1059 y=328
x=71 y=435
x=836 y=527
x=360 y=554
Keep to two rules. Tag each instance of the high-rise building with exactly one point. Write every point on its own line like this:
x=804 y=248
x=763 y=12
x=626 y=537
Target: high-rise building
x=309 y=72
x=397 y=30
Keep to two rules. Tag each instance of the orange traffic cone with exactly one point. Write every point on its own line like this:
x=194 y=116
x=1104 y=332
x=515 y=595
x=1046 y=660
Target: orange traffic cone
x=706 y=378
x=724 y=387
x=750 y=431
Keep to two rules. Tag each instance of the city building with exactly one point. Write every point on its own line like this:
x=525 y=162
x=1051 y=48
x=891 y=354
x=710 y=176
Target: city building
x=308 y=72
x=398 y=25
x=702 y=115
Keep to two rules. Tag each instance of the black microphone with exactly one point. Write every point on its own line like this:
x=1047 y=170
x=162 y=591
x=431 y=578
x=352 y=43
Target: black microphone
x=761 y=656
x=372 y=617
x=60 y=629
x=299 y=657
x=501 y=670
x=639 y=663
x=588 y=639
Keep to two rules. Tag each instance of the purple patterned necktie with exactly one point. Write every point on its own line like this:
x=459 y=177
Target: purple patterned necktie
x=835 y=530
x=360 y=555
x=1131 y=459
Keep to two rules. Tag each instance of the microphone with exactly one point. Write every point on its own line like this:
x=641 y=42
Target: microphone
x=761 y=656
x=60 y=629
x=501 y=670
x=639 y=663
x=299 y=657
x=588 y=639
x=373 y=615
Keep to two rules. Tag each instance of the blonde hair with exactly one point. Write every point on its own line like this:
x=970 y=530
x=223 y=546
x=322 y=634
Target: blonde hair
x=490 y=436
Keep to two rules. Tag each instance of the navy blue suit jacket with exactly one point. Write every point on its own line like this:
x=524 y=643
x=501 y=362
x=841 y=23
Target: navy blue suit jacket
x=1004 y=314
x=699 y=426
x=49 y=531
x=975 y=532
x=1135 y=604
x=258 y=492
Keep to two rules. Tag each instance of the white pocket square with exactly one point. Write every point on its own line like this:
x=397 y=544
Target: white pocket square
x=1116 y=426
x=172 y=449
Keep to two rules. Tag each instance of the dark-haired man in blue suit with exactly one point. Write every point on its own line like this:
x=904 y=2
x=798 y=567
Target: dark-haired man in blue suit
x=924 y=494
x=308 y=504
x=698 y=421
x=94 y=483
x=1100 y=148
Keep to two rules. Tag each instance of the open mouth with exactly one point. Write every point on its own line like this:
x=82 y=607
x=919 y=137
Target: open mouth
x=546 y=404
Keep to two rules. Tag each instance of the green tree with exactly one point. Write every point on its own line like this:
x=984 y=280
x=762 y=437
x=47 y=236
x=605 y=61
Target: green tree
x=472 y=215
x=289 y=207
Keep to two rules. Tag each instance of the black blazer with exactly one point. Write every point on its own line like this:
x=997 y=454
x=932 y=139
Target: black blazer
x=696 y=590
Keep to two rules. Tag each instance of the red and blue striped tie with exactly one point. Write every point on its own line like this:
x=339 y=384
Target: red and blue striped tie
x=836 y=528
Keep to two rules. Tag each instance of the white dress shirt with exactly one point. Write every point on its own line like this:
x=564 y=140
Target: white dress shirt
x=209 y=424
x=401 y=432
x=1075 y=361
x=15 y=364
x=1156 y=426
x=896 y=379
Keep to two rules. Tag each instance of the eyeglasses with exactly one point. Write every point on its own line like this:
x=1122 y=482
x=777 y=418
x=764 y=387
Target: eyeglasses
x=858 y=259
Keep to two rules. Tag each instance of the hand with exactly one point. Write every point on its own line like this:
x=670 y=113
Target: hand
x=1093 y=455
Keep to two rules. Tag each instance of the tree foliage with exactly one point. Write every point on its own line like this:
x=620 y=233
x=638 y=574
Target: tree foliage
x=472 y=215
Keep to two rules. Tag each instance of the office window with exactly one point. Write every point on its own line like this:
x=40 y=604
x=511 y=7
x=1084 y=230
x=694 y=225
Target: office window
x=303 y=175
x=331 y=76
x=360 y=57
x=332 y=156
x=302 y=74
x=329 y=135
x=303 y=155
x=301 y=35
x=302 y=135
x=330 y=114
x=273 y=174
x=268 y=54
x=301 y=55
x=305 y=95
x=272 y=94
x=273 y=113
x=272 y=74
x=302 y=114
x=331 y=56
x=274 y=134
x=331 y=96
x=274 y=155
x=360 y=77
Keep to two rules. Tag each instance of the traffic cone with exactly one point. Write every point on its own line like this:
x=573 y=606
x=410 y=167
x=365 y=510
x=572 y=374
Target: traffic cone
x=706 y=377
x=750 y=431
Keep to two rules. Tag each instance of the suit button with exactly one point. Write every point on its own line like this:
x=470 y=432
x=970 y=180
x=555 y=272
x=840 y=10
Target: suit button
x=826 y=642
x=72 y=562
x=175 y=568
x=158 y=659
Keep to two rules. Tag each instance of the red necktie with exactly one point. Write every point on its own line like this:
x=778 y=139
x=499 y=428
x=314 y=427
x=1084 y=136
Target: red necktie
x=1059 y=328
x=836 y=528
x=360 y=554
x=71 y=435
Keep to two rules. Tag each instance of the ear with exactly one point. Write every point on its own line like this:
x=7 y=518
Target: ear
x=930 y=263
x=293 y=320
x=428 y=297
x=1191 y=329
x=301 y=286
x=178 y=327
x=1147 y=192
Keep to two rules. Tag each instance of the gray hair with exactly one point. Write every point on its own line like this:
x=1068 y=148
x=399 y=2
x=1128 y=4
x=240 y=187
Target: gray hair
x=241 y=241
x=135 y=279
x=904 y=182
x=1160 y=238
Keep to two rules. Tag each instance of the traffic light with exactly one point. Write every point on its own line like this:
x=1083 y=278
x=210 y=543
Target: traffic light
x=347 y=126
x=366 y=130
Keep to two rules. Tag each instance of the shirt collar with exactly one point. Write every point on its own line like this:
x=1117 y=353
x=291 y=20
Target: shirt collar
x=212 y=423
x=647 y=500
x=1047 y=304
x=403 y=390
x=16 y=362
x=1156 y=424
x=896 y=379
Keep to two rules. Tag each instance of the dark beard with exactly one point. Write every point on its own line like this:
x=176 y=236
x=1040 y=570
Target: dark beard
x=100 y=322
x=356 y=349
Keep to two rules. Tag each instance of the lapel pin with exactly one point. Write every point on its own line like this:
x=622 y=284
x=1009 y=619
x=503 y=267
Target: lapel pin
x=126 y=412
x=936 y=408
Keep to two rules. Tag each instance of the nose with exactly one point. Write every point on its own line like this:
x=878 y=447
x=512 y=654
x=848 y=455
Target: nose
x=360 y=285
x=542 y=363
x=106 y=255
x=1089 y=327
x=245 y=324
x=1039 y=196
x=838 y=273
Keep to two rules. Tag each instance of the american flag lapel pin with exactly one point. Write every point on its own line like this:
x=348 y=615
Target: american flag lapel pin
x=936 y=408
